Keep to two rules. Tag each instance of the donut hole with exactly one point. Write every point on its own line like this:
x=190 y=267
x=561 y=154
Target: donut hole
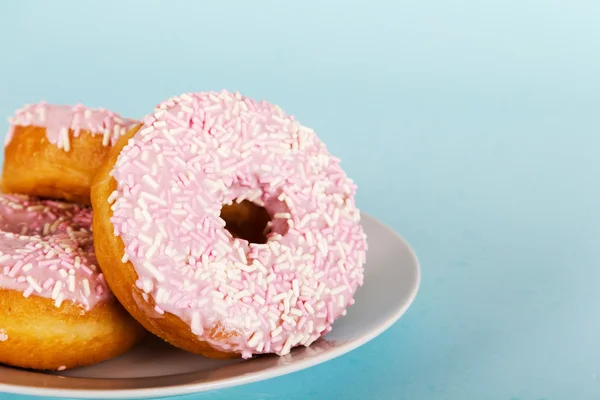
x=247 y=220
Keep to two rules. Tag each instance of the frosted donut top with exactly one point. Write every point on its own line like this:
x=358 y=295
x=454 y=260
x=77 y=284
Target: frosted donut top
x=199 y=151
x=58 y=120
x=47 y=250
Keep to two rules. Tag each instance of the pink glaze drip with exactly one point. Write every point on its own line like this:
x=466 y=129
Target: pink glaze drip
x=47 y=250
x=62 y=122
x=202 y=150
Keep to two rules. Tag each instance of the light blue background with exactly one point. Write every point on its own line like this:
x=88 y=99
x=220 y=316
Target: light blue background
x=471 y=127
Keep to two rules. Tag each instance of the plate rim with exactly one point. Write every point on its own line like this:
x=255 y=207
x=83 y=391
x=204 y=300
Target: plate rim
x=252 y=377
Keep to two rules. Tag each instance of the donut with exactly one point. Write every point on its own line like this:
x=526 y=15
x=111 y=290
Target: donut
x=57 y=310
x=53 y=151
x=227 y=228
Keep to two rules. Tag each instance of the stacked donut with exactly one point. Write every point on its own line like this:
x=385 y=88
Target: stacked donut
x=220 y=224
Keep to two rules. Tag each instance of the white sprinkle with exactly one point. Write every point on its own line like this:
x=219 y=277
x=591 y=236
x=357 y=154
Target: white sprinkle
x=277 y=331
x=150 y=181
x=57 y=287
x=272 y=324
x=86 y=287
x=167 y=134
x=305 y=339
x=309 y=308
x=320 y=289
x=328 y=219
x=282 y=215
x=106 y=137
x=145 y=238
x=64 y=133
x=59 y=300
x=50 y=254
x=322 y=245
x=34 y=284
x=146 y=215
x=261 y=345
x=217 y=294
x=113 y=197
x=259 y=299
x=125 y=258
x=288 y=345
x=146 y=130
x=241 y=254
x=177 y=131
x=154 y=272
x=147 y=285
x=137 y=214
x=42 y=113
x=160 y=292
x=221 y=309
x=338 y=290
x=295 y=311
x=255 y=339
x=279 y=297
x=286 y=305
x=310 y=326
x=71 y=283
x=116 y=132
x=196 y=327
x=28 y=292
x=154 y=198
x=141 y=203
x=241 y=293
x=27 y=267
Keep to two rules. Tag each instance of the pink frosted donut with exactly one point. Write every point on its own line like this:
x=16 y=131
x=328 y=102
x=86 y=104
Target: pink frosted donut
x=49 y=280
x=63 y=123
x=54 y=150
x=193 y=155
x=46 y=248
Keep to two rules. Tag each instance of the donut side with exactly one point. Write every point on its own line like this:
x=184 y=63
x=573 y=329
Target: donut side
x=34 y=166
x=35 y=334
x=121 y=276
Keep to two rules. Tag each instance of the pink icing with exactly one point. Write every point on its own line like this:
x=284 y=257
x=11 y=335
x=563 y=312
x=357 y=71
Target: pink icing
x=202 y=150
x=59 y=119
x=47 y=250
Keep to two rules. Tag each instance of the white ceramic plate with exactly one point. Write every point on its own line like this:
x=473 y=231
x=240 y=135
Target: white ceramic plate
x=155 y=369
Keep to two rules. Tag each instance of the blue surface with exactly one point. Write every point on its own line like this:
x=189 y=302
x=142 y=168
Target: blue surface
x=471 y=127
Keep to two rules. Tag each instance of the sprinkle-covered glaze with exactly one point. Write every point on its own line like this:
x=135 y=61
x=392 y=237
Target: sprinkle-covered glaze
x=200 y=151
x=47 y=250
x=63 y=122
